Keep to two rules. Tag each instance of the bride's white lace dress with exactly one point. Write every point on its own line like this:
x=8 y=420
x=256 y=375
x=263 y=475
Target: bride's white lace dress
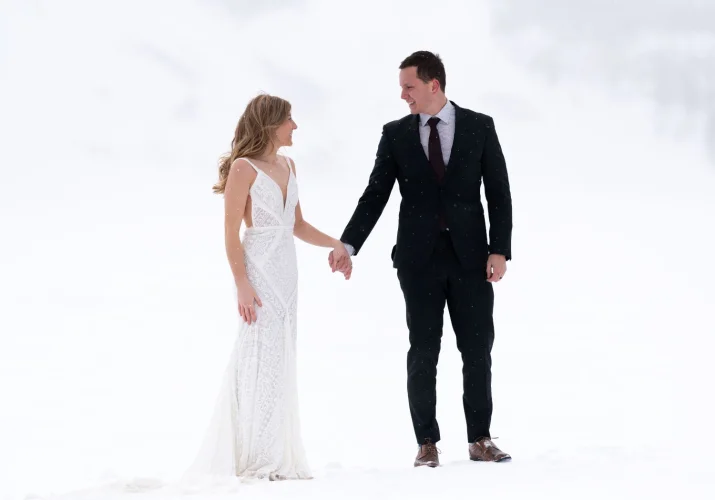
x=255 y=429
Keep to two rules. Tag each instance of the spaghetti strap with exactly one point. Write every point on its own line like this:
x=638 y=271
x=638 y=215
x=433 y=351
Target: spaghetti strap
x=288 y=162
x=250 y=163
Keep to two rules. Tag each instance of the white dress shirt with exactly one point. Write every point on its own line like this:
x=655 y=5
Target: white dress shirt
x=445 y=129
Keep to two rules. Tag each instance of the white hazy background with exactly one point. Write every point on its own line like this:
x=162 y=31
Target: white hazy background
x=117 y=309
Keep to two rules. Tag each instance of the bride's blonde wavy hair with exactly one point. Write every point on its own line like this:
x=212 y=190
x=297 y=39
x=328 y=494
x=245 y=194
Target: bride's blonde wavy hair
x=255 y=132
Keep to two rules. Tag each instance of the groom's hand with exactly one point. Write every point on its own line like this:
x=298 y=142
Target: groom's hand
x=496 y=267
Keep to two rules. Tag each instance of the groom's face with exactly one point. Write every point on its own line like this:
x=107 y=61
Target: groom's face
x=417 y=94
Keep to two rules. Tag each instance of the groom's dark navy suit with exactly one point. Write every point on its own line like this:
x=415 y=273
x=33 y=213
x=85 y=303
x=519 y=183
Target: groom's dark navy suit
x=441 y=252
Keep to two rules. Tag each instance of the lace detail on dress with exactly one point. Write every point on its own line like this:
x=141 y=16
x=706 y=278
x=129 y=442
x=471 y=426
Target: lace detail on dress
x=264 y=201
x=255 y=431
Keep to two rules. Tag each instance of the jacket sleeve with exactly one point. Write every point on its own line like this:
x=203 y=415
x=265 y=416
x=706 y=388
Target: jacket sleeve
x=497 y=191
x=376 y=195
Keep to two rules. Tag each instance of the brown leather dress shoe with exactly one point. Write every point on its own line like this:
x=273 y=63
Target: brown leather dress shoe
x=484 y=450
x=428 y=455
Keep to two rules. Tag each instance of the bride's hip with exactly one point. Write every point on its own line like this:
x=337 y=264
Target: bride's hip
x=277 y=272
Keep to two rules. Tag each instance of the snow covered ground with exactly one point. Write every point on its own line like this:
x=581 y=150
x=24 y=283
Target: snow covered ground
x=117 y=313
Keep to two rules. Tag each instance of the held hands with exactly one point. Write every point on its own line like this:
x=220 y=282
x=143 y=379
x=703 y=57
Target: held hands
x=246 y=299
x=339 y=260
x=496 y=267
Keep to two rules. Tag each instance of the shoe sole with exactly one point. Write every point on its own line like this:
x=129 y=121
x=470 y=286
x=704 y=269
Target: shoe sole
x=427 y=464
x=505 y=459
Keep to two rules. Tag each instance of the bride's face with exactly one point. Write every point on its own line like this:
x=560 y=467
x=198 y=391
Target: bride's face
x=284 y=132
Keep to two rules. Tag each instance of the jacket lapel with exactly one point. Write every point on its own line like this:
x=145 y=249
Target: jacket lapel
x=460 y=132
x=412 y=135
x=413 y=142
x=455 y=157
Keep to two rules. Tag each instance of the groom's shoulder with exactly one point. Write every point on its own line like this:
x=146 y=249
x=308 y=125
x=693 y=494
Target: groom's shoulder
x=475 y=115
x=476 y=121
x=397 y=128
x=400 y=122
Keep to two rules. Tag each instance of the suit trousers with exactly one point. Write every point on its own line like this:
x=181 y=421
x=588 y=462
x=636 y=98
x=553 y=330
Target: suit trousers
x=470 y=301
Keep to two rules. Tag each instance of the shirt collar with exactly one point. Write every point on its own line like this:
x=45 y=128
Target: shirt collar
x=445 y=114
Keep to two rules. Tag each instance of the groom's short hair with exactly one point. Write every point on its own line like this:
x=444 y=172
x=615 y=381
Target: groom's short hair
x=429 y=67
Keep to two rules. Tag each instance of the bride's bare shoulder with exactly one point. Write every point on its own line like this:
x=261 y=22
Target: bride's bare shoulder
x=243 y=167
x=241 y=173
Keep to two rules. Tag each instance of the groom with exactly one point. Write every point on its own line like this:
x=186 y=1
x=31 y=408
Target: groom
x=439 y=155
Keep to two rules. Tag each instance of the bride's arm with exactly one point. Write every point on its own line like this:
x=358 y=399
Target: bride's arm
x=311 y=235
x=238 y=183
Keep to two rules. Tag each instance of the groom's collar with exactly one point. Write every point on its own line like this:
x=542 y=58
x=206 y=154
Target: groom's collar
x=446 y=114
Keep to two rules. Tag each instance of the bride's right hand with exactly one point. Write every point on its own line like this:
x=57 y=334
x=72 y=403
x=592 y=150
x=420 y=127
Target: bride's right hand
x=247 y=299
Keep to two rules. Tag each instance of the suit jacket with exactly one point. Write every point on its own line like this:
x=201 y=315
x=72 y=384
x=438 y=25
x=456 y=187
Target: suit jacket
x=476 y=155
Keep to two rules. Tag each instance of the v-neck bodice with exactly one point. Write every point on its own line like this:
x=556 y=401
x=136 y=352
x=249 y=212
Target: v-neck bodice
x=269 y=207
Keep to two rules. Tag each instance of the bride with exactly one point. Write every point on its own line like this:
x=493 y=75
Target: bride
x=255 y=429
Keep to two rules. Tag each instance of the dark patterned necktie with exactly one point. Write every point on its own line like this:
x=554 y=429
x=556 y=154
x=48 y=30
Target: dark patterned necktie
x=434 y=147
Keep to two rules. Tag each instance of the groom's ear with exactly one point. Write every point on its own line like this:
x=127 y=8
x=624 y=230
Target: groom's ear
x=434 y=85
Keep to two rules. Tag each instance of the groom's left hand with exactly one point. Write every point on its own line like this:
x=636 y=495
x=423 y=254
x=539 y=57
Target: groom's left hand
x=496 y=267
